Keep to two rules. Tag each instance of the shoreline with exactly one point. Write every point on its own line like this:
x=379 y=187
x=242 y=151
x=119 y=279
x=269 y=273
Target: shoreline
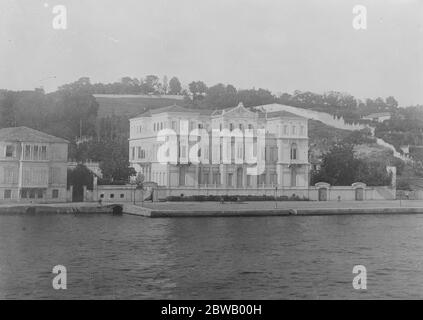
x=58 y=208
x=213 y=209
x=267 y=209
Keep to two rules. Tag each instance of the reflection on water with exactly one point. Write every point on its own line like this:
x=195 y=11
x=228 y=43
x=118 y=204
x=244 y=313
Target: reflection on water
x=211 y=258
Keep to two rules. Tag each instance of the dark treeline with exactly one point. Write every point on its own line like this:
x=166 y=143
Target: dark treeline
x=62 y=113
x=72 y=115
x=150 y=85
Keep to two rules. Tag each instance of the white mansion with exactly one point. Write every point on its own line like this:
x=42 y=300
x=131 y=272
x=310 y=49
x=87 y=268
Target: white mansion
x=284 y=152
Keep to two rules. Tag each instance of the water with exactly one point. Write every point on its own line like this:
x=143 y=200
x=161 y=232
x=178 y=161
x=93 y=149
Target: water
x=211 y=258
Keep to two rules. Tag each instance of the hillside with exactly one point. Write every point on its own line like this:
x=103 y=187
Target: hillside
x=323 y=136
x=131 y=105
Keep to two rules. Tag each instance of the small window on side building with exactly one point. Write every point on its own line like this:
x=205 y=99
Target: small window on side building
x=9 y=151
x=7 y=194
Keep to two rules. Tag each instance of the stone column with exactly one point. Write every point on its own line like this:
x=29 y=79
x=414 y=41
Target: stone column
x=244 y=176
x=279 y=171
x=223 y=175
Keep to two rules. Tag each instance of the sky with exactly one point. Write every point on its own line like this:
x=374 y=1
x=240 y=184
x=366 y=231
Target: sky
x=280 y=45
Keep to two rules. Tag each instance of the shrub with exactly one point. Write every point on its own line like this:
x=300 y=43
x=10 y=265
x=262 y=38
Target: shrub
x=228 y=198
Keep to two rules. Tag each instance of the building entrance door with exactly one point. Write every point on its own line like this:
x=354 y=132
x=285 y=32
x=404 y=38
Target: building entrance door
x=323 y=194
x=359 y=194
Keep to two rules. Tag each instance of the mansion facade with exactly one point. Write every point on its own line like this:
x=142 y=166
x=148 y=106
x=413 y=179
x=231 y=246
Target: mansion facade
x=33 y=166
x=284 y=154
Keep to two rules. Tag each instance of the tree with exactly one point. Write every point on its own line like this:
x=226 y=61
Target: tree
x=7 y=112
x=78 y=178
x=253 y=97
x=373 y=174
x=83 y=84
x=198 y=89
x=114 y=160
x=150 y=84
x=79 y=113
x=175 y=87
x=391 y=102
x=165 y=85
x=220 y=96
x=338 y=166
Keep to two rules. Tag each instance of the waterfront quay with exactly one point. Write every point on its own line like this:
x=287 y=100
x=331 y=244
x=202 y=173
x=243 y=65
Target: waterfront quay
x=64 y=208
x=227 y=209
x=272 y=208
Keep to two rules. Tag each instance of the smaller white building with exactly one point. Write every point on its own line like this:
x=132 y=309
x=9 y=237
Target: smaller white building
x=33 y=166
x=378 y=117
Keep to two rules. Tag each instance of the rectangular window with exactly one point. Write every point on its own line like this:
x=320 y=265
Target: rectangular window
x=262 y=179
x=231 y=126
x=35 y=153
x=24 y=194
x=230 y=176
x=294 y=130
x=248 y=180
x=9 y=151
x=285 y=129
x=27 y=152
x=7 y=194
x=43 y=153
x=239 y=153
x=216 y=178
x=39 y=194
x=55 y=194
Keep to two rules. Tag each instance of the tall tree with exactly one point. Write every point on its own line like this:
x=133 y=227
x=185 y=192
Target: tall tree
x=175 y=86
x=198 y=89
x=7 y=112
x=338 y=166
x=165 y=85
x=150 y=84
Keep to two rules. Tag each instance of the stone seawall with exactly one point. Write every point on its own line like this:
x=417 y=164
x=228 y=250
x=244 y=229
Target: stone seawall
x=59 y=209
x=286 y=211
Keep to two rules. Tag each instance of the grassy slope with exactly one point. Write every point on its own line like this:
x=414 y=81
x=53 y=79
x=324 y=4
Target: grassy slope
x=323 y=136
x=131 y=107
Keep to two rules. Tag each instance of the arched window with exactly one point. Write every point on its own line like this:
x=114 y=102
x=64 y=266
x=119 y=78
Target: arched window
x=294 y=152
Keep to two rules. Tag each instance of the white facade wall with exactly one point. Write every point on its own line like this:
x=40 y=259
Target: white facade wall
x=35 y=172
x=282 y=135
